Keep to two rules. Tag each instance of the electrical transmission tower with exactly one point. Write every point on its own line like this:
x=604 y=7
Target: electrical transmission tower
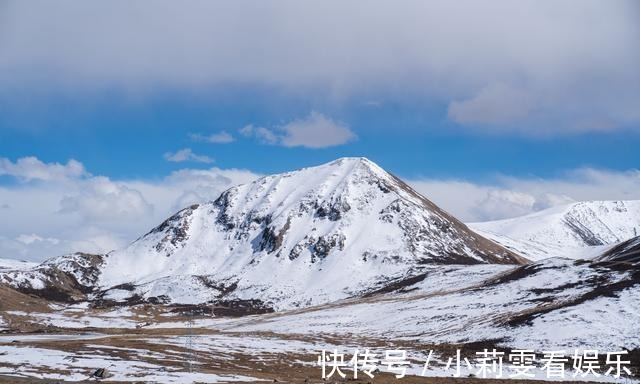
x=191 y=355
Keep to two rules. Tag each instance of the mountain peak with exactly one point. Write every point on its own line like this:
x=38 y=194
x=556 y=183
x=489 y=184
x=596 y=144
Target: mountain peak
x=354 y=163
x=352 y=160
x=566 y=229
x=347 y=222
x=345 y=166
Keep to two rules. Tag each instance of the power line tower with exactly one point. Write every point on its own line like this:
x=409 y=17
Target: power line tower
x=191 y=313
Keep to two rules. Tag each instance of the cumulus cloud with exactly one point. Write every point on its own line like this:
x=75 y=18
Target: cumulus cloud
x=501 y=203
x=441 y=50
x=316 y=131
x=100 y=199
x=186 y=154
x=222 y=137
x=190 y=186
x=463 y=199
x=98 y=214
x=505 y=196
x=31 y=168
x=583 y=184
x=264 y=135
x=313 y=131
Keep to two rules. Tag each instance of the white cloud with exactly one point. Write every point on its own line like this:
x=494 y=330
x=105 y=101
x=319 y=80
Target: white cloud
x=504 y=203
x=189 y=186
x=31 y=168
x=463 y=199
x=313 y=131
x=264 y=135
x=583 y=184
x=97 y=214
x=36 y=248
x=504 y=196
x=316 y=131
x=100 y=199
x=187 y=154
x=495 y=104
x=222 y=137
x=30 y=239
x=580 y=53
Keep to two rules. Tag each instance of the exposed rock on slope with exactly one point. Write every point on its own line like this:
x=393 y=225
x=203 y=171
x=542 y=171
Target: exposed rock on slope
x=316 y=234
x=66 y=278
x=625 y=252
x=311 y=236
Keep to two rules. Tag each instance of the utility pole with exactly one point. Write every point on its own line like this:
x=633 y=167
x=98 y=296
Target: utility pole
x=189 y=342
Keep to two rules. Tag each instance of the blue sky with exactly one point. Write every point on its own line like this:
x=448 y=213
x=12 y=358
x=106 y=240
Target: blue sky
x=123 y=139
x=114 y=114
x=427 y=89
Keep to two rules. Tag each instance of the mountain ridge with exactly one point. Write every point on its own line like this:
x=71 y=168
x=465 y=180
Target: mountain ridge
x=277 y=206
x=308 y=236
x=576 y=230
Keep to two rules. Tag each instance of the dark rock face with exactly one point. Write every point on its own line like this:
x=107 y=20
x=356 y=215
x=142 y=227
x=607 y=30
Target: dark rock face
x=175 y=229
x=101 y=373
x=583 y=233
x=627 y=252
x=271 y=240
x=297 y=250
x=318 y=247
x=325 y=244
x=223 y=203
x=332 y=210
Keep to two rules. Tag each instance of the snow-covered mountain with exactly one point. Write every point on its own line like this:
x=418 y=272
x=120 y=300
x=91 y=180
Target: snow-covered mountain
x=10 y=264
x=63 y=278
x=313 y=235
x=366 y=256
x=340 y=230
x=578 y=230
x=551 y=304
x=305 y=237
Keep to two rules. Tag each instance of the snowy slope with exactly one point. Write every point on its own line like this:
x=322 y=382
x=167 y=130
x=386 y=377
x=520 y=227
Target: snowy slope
x=552 y=304
x=64 y=278
x=578 y=230
x=11 y=264
x=309 y=236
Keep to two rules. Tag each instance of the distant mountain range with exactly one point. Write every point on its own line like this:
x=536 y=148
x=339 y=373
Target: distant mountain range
x=345 y=229
x=575 y=230
x=10 y=264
